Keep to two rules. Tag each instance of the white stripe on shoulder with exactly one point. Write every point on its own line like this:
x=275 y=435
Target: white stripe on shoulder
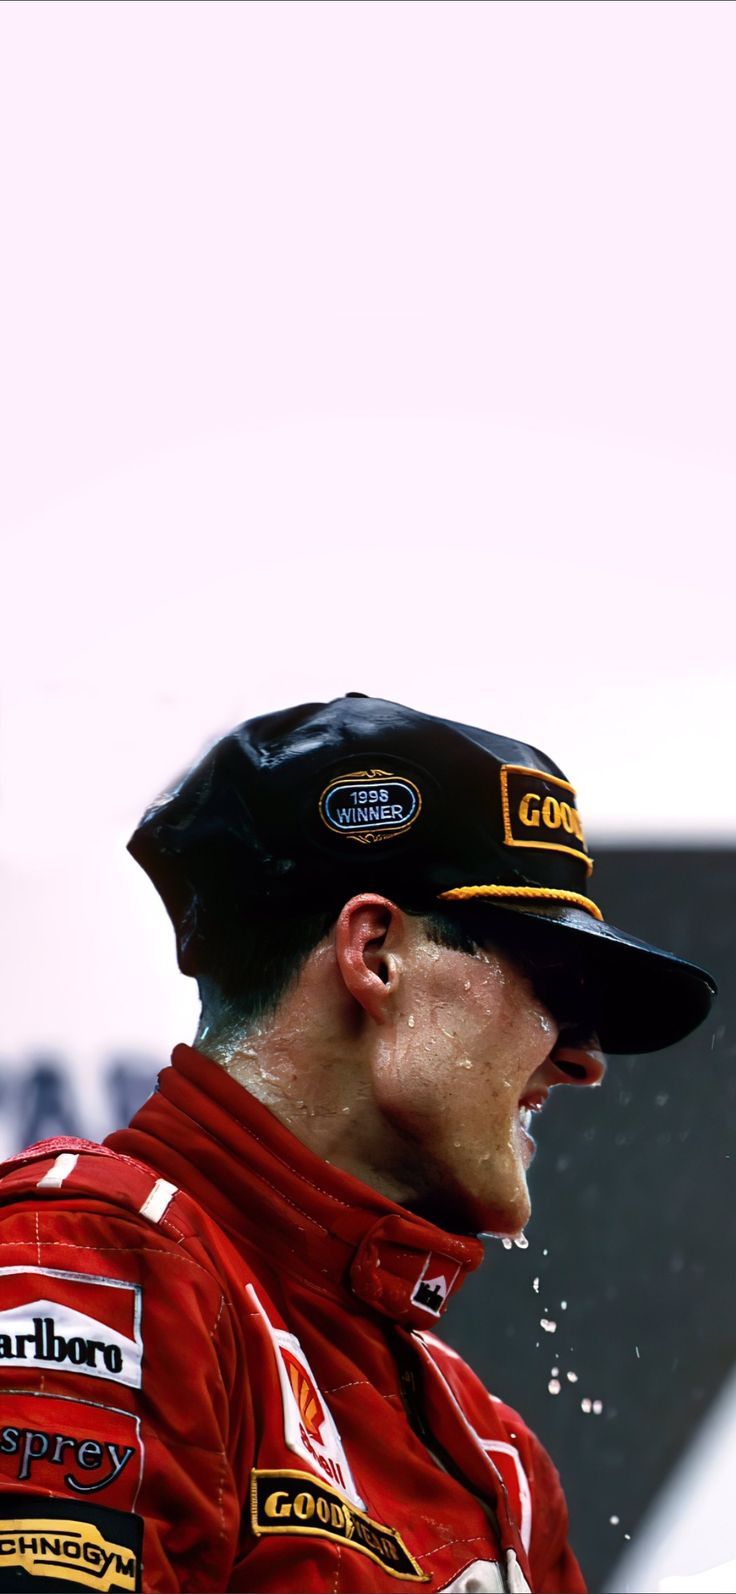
x=60 y=1170
x=157 y=1200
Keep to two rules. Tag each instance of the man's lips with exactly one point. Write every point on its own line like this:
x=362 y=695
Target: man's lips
x=532 y=1101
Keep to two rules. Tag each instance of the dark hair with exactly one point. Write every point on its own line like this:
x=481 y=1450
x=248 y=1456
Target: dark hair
x=252 y=972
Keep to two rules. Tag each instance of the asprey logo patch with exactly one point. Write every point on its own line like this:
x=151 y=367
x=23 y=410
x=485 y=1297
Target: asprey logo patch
x=309 y=1427
x=55 y=1540
x=81 y=1323
x=54 y=1442
x=435 y=1283
x=370 y=805
x=296 y=1502
x=539 y=811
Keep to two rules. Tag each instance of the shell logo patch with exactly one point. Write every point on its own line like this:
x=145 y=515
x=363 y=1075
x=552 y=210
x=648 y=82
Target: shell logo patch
x=310 y=1430
x=539 y=810
x=370 y=805
x=310 y=1406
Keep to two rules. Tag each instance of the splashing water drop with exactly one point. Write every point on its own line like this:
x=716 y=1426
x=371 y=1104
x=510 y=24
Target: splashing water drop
x=508 y=1245
x=572 y=1378
x=521 y=1241
x=597 y=1407
x=614 y=1521
x=586 y=1406
x=548 y=1324
x=535 y=1286
x=563 y=1306
x=554 y=1386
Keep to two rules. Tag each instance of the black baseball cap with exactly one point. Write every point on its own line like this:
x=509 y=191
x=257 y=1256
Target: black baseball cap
x=301 y=809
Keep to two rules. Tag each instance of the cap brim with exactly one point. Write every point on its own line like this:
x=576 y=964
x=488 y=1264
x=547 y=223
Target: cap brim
x=641 y=998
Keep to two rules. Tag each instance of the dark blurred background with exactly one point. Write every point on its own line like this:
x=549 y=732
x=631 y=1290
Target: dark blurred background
x=633 y=1228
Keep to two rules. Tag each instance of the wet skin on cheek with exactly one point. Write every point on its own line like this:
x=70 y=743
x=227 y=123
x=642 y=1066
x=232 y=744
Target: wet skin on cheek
x=450 y=1077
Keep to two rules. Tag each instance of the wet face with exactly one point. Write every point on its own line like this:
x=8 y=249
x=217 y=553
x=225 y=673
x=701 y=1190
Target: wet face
x=468 y=1057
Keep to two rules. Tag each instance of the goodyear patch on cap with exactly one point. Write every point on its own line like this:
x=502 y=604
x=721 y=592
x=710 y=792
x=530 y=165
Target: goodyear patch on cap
x=539 y=810
x=369 y=805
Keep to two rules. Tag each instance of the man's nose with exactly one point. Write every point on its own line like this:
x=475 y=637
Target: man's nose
x=581 y=1064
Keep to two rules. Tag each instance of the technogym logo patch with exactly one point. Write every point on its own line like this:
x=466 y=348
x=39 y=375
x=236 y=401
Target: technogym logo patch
x=62 y=1544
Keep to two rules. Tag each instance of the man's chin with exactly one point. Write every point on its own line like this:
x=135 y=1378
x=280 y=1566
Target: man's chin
x=500 y=1214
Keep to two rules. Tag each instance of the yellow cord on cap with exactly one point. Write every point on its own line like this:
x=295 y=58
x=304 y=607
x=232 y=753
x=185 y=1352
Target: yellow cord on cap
x=459 y=893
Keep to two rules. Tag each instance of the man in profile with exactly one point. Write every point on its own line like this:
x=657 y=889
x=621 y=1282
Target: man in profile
x=217 y=1357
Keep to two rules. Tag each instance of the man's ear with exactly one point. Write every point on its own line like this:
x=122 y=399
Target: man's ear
x=368 y=936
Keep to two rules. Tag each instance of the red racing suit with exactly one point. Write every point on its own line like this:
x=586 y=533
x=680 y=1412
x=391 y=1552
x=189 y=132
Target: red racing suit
x=217 y=1372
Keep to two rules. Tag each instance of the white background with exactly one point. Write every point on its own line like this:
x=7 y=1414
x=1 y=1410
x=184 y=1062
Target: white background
x=371 y=346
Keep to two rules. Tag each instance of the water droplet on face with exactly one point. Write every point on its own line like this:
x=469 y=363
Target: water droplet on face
x=410 y=1021
x=554 y=1386
x=464 y=1062
x=466 y=986
x=346 y=1109
x=548 y=1324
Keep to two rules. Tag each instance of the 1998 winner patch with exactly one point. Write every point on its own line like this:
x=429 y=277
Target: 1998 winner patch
x=370 y=805
x=296 y=1502
x=46 y=1543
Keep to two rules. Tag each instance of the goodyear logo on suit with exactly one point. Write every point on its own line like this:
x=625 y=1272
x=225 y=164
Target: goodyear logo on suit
x=297 y=1502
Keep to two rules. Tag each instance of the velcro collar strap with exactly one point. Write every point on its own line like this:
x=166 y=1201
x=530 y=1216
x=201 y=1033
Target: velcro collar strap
x=399 y=1271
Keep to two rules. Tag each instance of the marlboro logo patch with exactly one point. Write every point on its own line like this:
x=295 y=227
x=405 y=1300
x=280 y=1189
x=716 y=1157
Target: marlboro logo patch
x=540 y=811
x=295 y=1502
x=435 y=1283
x=70 y=1322
x=64 y=1543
